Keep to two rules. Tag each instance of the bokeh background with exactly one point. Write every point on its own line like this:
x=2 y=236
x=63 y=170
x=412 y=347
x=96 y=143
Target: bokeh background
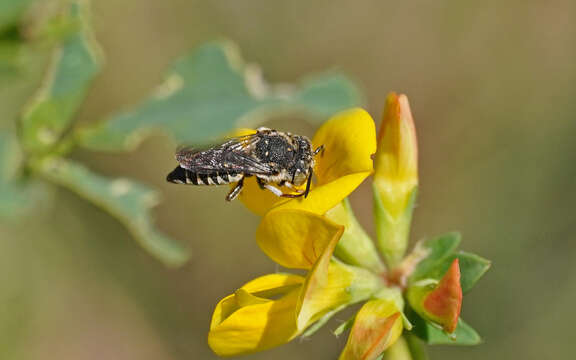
x=492 y=86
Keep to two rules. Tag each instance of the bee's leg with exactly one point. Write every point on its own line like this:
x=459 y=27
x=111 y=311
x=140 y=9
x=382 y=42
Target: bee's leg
x=261 y=183
x=303 y=193
x=319 y=149
x=309 y=181
x=233 y=194
x=274 y=190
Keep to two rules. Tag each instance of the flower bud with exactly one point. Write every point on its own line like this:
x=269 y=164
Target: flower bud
x=395 y=177
x=376 y=327
x=439 y=302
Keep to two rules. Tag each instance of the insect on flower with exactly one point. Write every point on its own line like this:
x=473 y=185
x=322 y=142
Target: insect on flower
x=273 y=157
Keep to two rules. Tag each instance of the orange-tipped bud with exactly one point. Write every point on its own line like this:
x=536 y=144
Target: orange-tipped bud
x=442 y=302
x=395 y=177
x=396 y=160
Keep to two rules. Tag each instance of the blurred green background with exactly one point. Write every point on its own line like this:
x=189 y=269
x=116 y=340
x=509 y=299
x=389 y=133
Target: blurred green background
x=492 y=86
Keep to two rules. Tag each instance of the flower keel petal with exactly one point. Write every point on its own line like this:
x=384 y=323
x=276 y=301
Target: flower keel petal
x=249 y=321
x=376 y=327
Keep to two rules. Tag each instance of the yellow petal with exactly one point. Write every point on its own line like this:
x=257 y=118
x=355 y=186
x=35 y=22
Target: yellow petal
x=377 y=326
x=324 y=197
x=247 y=322
x=271 y=282
x=349 y=140
x=296 y=239
x=331 y=284
x=325 y=289
x=257 y=200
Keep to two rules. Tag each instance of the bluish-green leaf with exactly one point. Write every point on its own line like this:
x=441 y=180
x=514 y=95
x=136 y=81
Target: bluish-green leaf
x=74 y=65
x=211 y=92
x=128 y=201
x=440 y=248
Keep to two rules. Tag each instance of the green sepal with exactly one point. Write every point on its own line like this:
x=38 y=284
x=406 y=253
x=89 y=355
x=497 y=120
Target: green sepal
x=472 y=268
x=393 y=232
x=345 y=326
x=126 y=200
x=439 y=250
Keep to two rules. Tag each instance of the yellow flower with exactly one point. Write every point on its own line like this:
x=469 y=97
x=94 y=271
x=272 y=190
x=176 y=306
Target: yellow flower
x=349 y=140
x=273 y=309
x=321 y=236
x=395 y=178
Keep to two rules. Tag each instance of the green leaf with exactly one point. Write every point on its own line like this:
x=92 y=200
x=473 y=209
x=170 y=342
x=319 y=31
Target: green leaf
x=74 y=65
x=126 y=200
x=432 y=335
x=472 y=268
x=440 y=248
x=211 y=92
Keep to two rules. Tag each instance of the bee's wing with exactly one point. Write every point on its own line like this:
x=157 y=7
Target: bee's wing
x=234 y=154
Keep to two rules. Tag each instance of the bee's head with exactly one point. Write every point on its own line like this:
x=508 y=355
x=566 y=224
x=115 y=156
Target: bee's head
x=303 y=160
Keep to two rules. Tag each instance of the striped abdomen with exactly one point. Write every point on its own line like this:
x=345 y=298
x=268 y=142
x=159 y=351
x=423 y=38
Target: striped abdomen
x=184 y=176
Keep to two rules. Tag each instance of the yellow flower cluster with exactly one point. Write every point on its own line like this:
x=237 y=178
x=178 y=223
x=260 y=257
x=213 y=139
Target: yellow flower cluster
x=319 y=234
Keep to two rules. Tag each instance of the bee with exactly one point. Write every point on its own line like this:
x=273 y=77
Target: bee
x=272 y=157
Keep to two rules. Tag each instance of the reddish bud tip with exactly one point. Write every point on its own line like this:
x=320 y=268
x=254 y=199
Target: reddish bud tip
x=444 y=302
